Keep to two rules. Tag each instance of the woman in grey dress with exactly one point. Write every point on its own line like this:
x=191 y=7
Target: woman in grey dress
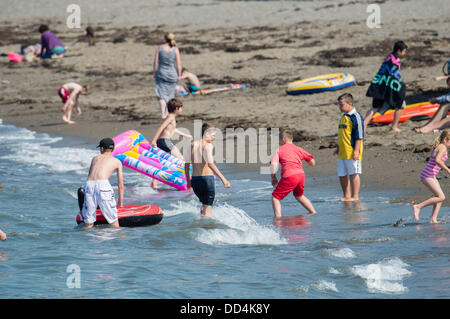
x=166 y=71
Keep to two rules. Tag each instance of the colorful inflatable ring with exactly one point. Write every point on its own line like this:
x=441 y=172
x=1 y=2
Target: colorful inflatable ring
x=137 y=153
x=326 y=82
x=131 y=216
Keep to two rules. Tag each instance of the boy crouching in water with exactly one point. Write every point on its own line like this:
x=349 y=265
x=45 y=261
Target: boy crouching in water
x=98 y=190
x=290 y=157
x=203 y=168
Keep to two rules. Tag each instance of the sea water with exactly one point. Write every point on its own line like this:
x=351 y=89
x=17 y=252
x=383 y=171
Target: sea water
x=344 y=251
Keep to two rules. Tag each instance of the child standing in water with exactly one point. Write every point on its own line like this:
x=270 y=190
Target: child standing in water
x=428 y=176
x=350 y=148
x=203 y=170
x=290 y=157
x=98 y=190
x=163 y=136
x=2 y=235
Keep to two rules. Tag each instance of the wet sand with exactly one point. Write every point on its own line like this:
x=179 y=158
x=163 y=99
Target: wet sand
x=262 y=44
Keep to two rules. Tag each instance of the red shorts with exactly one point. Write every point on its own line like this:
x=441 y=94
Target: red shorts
x=63 y=94
x=286 y=185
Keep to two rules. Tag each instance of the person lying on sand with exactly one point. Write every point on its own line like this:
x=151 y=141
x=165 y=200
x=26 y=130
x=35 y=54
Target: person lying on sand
x=440 y=119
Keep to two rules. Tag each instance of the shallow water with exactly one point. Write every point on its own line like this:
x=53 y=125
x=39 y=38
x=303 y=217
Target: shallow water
x=344 y=251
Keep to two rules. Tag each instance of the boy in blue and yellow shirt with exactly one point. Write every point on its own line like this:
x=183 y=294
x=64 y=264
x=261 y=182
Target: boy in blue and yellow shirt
x=350 y=148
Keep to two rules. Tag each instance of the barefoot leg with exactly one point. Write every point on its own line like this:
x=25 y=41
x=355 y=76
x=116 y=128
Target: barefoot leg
x=306 y=203
x=396 y=120
x=345 y=185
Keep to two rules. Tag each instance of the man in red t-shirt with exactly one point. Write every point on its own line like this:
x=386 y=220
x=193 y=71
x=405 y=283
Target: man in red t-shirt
x=290 y=157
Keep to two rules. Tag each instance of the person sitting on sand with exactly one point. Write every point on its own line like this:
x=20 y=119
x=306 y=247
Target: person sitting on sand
x=163 y=136
x=387 y=88
x=2 y=236
x=51 y=45
x=438 y=156
x=192 y=82
x=69 y=94
x=440 y=119
x=203 y=168
x=290 y=156
x=98 y=190
x=350 y=148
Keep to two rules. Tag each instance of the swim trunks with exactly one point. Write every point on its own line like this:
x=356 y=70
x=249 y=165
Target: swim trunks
x=348 y=167
x=204 y=188
x=63 y=94
x=288 y=184
x=165 y=144
x=192 y=88
x=99 y=193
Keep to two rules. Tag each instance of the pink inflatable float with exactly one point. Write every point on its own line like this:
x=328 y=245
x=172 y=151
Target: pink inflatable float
x=137 y=153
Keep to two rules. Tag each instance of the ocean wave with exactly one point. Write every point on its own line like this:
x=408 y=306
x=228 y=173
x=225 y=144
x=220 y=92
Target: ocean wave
x=342 y=253
x=385 y=276
x=54 y=159
x=324 y=285
x=237 y=227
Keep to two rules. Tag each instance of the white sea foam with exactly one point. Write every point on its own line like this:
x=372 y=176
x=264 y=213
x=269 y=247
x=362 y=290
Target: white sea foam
x=240 y=228
x=334 y=271
x=324 y=285
x=385 y=276
x=342 y=253
x=55 y=159
x=31 y=148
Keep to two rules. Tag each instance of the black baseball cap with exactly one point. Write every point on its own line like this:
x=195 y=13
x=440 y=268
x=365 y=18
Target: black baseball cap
x=106 y=143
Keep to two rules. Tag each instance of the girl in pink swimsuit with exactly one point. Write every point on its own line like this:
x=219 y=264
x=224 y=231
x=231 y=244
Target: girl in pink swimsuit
x=428 y=176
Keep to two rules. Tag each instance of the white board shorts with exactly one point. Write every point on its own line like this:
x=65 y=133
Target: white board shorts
x=348 y=167
x=99 y=193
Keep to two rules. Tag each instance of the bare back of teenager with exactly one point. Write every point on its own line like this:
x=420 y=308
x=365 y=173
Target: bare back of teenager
x=103 y=166
x=99 y=191
x=203 y=170
x=201 y=155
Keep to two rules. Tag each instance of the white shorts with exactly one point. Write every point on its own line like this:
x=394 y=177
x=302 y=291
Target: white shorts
x=99 y=193
x=348 y=167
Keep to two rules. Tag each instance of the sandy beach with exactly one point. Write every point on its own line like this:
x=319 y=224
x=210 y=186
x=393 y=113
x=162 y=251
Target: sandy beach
x=262 y=44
